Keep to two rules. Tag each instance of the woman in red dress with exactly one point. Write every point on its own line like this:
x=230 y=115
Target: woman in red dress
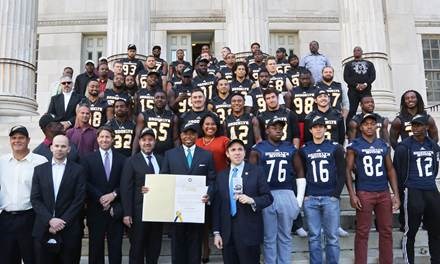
x=212 y=140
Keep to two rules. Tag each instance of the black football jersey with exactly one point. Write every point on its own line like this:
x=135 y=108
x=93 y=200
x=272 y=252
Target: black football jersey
x=162 y=124
x=334 y=123
x=258 y=103
x=291 y=130
x=303 y=101
x=241 y=87
x=144 y=99
x=221 y=107
x=226 y=73
x=278 y=81
x=207 y=84
x=143 y=74
x=335 y=92
x=293 y=75
x=111 y=96
x=283 y=66
x=131 y=67
x=380 y=123
x=254 y=69
x=241 y=127
x=124 y=136
x=98 y=112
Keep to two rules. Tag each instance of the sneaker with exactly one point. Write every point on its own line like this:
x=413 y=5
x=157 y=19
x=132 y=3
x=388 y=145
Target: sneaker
x=301 y=232
x=342 y=232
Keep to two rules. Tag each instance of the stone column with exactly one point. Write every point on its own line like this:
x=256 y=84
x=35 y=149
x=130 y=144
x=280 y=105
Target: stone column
x=18 y=34
x=246 y=22
x=128 y=22
x=362 y=24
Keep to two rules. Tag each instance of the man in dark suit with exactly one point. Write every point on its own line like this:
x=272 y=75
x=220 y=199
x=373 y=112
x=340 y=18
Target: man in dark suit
x=63 y=105
x=188 y=159
x=103 y=170
x=145 y=237
x=241 y=193
x=57 y=196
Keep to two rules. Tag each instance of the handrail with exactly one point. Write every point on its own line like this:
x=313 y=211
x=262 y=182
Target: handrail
x=433 y=108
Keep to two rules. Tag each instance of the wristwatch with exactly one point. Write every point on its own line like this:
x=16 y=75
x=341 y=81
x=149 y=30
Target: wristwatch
x=114 y=194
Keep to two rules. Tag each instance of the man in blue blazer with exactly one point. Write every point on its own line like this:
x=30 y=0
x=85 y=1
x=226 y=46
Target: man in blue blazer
x=241 y=193
x=188 y=159
x=103 y=170
x=145 y=237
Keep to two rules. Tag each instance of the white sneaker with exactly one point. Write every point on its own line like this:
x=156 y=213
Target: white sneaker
x=342 y=232
x=301 y=232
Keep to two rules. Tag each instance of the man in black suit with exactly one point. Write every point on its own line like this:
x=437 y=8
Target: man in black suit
x=241 y=193
x=103 y=170
x=145 y=237
x=57 y=196
x=63 y=105
x=188 y=159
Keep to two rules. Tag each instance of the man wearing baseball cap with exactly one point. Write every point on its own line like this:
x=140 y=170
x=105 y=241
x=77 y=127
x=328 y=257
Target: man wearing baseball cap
x=416 y=161
x=131 y=65
x=83 y=79
x=16 y=214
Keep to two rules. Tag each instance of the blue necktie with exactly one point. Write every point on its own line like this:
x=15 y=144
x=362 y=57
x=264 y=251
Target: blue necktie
x=150 y=167
x=189 y=158
x=232 y=201
x=107 y=167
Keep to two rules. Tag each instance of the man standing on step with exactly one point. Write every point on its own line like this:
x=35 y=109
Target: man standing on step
x=374 y=170
x=416 y=161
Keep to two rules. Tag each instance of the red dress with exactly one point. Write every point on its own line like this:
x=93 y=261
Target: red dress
x=218 y=149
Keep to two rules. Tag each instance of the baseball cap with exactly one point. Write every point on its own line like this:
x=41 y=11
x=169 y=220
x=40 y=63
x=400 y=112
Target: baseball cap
x=153 y=72
x=45 y=120
x=230 y=143
x=147 y=131
x=103 y=58
x=369 y=115
x=131 y=46
x=89 y=61
x=275 y=121
x=187 y=72
x=203 y=60
x=65 y=78
x=320 y=91
x=156 y=47
x=420 y=119
x=19 y=129
x=189 y=126
x=281 y=49
x=317 y=120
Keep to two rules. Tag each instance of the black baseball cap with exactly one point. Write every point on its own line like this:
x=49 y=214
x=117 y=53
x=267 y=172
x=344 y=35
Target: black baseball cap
x=189 y=126
x=187 y=72
x=45 y=120
x=147 y=131
x=153 y=72
x=19 y=129
x=317 y=120
x=131 y=46
x=420 y=119
x=369 y=115
x=230 y=143
x=320 y=91
x=203 y=60
x=275 y=121
x=156 y=47
x=281 y=49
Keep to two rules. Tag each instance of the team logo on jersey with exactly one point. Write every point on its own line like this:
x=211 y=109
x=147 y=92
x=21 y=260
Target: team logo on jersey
x=360 y=67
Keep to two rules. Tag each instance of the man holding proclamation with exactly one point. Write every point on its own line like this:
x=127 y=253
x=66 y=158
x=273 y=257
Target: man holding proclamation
x=188 y=159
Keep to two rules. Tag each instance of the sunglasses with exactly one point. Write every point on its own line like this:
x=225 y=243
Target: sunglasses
x=64 y=83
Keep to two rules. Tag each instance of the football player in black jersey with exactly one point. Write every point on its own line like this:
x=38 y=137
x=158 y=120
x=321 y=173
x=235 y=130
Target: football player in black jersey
x=411 y=104
x=161 y=64
x=282 y=64
x=278 y=80
x=221 y=104
x=177 y=76
x=338 y=94
x=131 y=65
x=144 y=97
x=226 y=72
x=367 y=107
x=178 y=96
x=130 y=85
x=242 y=125
x=150 y=66
x=291 y=132
x=240 y=84
x=111 y=95
x=224 y=52
x=117 y=68
x=124 y=128
x=204 y=80
x=294 y=70
x=99 y=110
x=334 y=122
x=164 y=123
x=256 y=66
x=255 y=47
x=180 y=55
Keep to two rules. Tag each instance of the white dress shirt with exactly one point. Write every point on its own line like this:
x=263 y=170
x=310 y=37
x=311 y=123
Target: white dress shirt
x=16 y=181
x=57 y=175
x=66 y=99
x=153 y=161
x=191 y=149
x=110 y=156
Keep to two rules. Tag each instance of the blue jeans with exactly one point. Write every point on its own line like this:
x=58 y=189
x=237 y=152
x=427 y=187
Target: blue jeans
x=323 y=212
x=278 y=219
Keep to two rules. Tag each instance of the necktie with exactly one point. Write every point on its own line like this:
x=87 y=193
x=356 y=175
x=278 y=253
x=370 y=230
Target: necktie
x=150 y=165
x=232 y=201
x=189 y=158
x=107 y=165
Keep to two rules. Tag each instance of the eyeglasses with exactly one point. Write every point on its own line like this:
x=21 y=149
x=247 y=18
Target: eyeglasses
x=65 y=83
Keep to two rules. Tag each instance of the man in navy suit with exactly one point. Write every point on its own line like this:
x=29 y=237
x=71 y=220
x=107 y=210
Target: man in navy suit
x=57 y=196
x=145 y=237
x=63 y=105
x=188 y=159
x=103 y=170
x=241 y=193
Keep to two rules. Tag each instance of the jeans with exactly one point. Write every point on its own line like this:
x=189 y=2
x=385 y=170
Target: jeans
x=278 y=219
x=323 y=212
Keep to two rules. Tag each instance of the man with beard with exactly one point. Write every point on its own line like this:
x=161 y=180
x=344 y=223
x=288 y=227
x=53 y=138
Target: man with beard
x=240 y=84
x=294 y=70
x=204 y=80
x=150 y=66
x=367 y=107
x=82 y=79
x=241 y=125
x=282 y=64
x=144 y=97
x=179 y=95
x=130 y=85
x=315 y=61
x=255 y=47
x=131 y=65
x=161 y=64
x=224 y=52
x=124 y=128
x=256 y=66
x=180 y=55
x=255 y=102
x=278 y=80
x=104 y=80
x=163 y=122
x=176 y=77
x=99 y=110
x=226 y=72
x=117 y=92
x=221 y=104
x=359 y=74
x=338 y=94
